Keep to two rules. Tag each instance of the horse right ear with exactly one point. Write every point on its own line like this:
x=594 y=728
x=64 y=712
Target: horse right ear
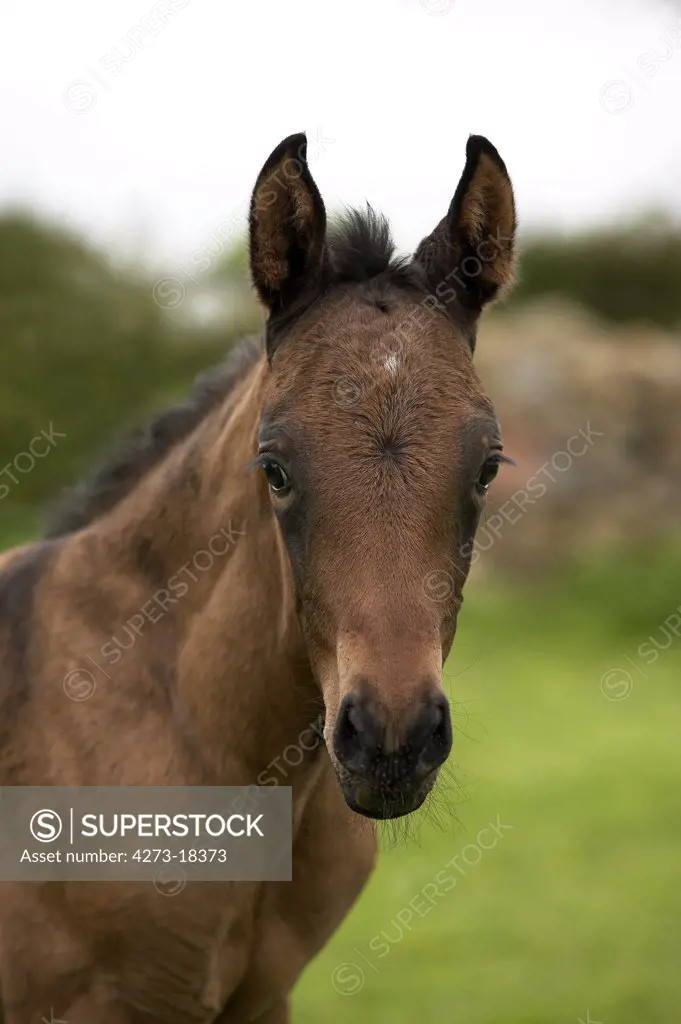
x=287 y=231
x=474 y=245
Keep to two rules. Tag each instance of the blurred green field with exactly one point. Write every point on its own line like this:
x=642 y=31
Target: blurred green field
x=574 y=912
x=17 y=524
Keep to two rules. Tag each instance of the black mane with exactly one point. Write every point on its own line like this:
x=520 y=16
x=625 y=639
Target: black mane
x=361 y=250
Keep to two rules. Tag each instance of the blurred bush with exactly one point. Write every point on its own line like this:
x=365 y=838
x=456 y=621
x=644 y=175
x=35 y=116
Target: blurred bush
x=85 y=351
x=626 y=273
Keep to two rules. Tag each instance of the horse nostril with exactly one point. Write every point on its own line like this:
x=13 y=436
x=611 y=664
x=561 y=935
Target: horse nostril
x=346 y=730
x=439 y=741
x=353 y=717
x=347 y=743
x=442 y=730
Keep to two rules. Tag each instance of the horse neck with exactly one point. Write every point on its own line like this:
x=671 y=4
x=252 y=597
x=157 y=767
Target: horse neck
x=202 y=527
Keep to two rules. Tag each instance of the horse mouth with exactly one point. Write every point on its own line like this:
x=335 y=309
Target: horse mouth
x=380 y=803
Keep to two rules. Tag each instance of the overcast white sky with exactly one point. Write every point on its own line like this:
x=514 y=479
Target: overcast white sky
x=156 y=152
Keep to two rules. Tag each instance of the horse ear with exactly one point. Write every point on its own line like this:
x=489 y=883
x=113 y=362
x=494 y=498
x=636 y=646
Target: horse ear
x=470 y=254
x=287 y=225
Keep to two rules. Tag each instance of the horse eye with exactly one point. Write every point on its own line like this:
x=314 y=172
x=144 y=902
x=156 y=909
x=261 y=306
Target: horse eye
x=487 y=474
x=276 y=477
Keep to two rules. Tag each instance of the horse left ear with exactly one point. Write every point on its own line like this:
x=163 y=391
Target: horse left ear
x=287 y=230
x=472 y=250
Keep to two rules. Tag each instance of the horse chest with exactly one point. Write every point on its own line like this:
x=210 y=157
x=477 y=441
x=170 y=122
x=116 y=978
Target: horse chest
x=333 y=855
x=246 y=936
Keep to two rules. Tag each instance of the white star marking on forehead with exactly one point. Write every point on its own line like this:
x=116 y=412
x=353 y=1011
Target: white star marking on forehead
x=391 y=362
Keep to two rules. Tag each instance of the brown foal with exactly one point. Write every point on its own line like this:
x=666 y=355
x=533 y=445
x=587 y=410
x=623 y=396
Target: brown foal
x=331 y=478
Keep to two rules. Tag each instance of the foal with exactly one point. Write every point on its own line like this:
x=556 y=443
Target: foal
x=331 y=479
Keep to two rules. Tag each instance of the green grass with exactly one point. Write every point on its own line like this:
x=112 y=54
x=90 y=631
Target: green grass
x=577 y=906
x=17 y=524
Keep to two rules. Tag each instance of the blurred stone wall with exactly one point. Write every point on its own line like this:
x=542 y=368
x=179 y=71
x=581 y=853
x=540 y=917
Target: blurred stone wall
x=592 y=416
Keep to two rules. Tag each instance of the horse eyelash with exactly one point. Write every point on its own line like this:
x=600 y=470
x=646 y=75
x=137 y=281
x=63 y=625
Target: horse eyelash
x=260 y=460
